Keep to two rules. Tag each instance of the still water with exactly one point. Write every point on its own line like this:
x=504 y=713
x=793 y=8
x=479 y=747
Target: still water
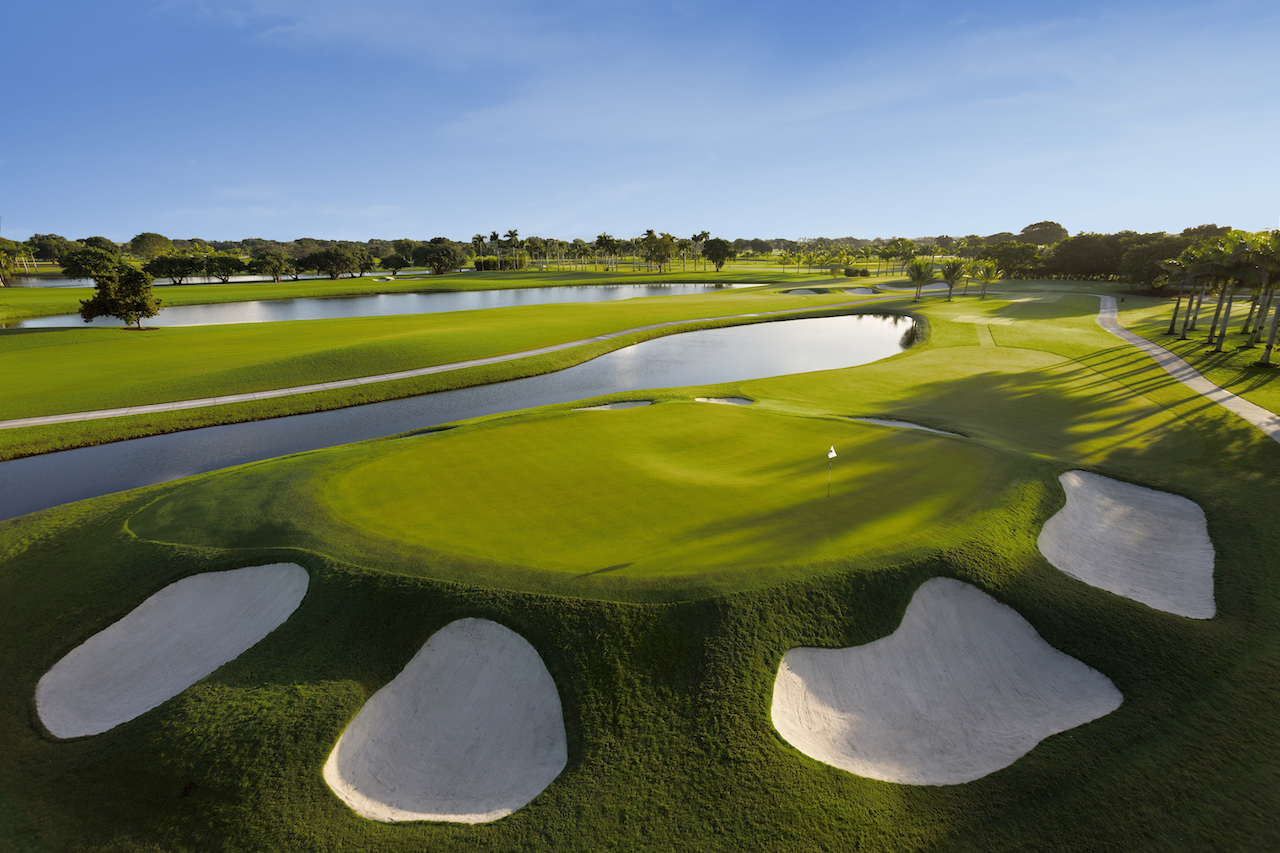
x=378 y=305
x=693 y=358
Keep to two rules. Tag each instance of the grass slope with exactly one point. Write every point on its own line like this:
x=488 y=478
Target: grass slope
x=666 y=695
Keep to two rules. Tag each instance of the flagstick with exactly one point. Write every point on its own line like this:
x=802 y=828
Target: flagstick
x=829 y=477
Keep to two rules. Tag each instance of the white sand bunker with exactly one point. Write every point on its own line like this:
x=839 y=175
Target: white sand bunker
x=468 y=732
x=1143 y=544
x=609 y=407
x=860 y=291
x=889 y=422
x=164 y=645
x=726 y=401
x=964 y=687
x=802 y=291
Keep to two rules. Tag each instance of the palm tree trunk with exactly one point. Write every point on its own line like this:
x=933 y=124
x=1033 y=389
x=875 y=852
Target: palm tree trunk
x=1271 y=338
x=1268 y=298
x=1253 y=307
x=1195 y=318
x=1217 y=315
x=1226 y=320
x=1173 y=323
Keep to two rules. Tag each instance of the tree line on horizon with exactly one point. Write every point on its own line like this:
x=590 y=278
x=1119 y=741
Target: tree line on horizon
x=1041 y=250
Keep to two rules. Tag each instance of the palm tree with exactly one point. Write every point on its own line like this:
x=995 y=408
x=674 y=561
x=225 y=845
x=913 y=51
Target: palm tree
x=1268 y=257
x=952 y=272
x=920 y=272
x=985 y=272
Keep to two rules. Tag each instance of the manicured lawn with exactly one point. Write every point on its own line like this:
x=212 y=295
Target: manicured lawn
x=665 y=673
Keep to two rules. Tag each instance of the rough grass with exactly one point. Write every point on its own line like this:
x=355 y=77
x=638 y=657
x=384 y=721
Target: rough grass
x=666 y=701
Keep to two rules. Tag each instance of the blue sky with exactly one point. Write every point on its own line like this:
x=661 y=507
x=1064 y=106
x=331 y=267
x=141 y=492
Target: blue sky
x=226 y=119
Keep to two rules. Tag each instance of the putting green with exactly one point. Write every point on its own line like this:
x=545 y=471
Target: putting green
x=675 y=489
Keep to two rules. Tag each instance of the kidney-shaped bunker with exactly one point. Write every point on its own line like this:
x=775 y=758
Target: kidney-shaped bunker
x=468 y=732
x=963 y=688
x=164 y=645
x=1137 y=542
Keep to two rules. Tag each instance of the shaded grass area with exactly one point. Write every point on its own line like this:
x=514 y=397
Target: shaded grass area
x=1233 y=369
x=666 y=699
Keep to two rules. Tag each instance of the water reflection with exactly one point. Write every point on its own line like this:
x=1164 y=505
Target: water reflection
x=377 y=305
x=693 y=358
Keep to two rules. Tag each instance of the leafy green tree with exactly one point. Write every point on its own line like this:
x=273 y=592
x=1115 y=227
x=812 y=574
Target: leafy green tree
x=952 y=272
x=88 y=263
x=150 y=245
x=404 y=247
x=50 y=247
x=176 y=268
x=657 y=248
x=223 y=265
x=101 y=243
x=718 y=251
x=123 y=292
x=698 y=240
x=441 y=257
x=1043 y=234
x=273 y=263
x=395 y=262
x=1012 y=259
x=334 y=261
x=1144 y=263
x=920 y=273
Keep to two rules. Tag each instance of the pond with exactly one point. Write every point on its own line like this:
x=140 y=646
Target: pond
x=377 y=305
x=693 y=358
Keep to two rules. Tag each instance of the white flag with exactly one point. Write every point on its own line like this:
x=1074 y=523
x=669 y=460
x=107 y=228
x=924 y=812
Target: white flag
x=831 y=454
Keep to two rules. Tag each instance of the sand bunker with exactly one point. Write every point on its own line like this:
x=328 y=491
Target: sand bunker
x=905 y=425
x=726 y=401
x=609 y=407
x=1143 y=544
x=164 y=645
x=802 y=291
x=860 y=291
x=468 y=732
x=964 y=687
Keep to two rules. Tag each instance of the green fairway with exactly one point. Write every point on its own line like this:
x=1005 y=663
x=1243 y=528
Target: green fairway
x=662 y=560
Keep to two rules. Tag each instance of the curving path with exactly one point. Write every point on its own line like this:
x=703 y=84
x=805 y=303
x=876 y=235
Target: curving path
x=224 y=400
x=1263 y=419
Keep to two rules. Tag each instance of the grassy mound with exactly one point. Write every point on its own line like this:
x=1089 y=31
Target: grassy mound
x=677 y=495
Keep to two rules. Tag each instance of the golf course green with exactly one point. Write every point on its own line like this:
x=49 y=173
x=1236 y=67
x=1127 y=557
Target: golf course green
x=662 y=560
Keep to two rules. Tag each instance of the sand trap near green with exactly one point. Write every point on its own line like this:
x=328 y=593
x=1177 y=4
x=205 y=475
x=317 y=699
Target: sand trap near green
x=166 y=644
x=679 y=488
x=890 y=422
x=964 y=687
x=468 y=732
x=1144 y=544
